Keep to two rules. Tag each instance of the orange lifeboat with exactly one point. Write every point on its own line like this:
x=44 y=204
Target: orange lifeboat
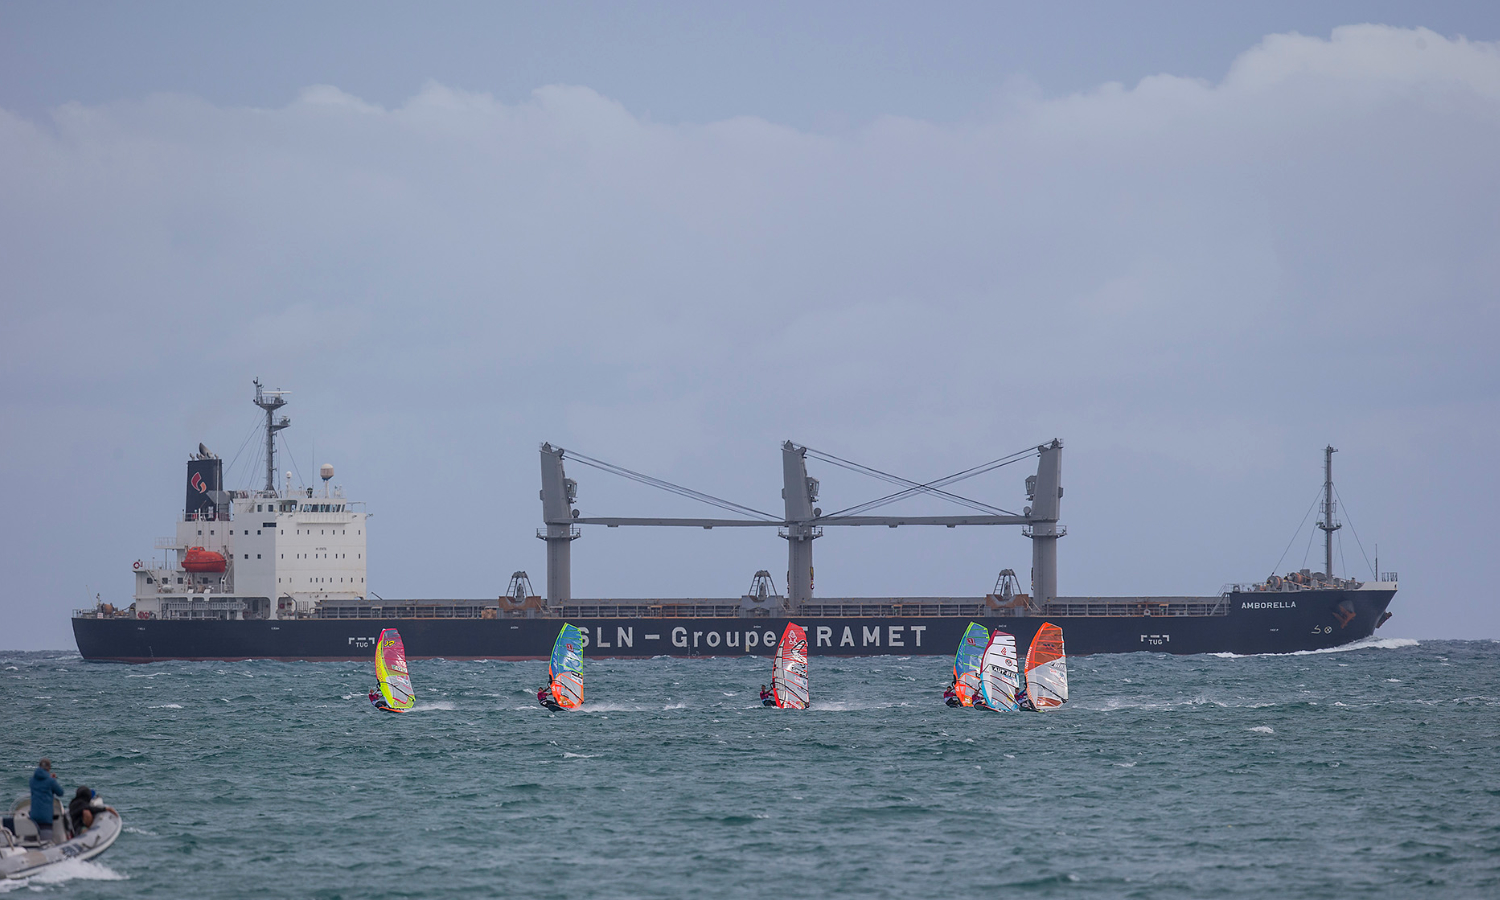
x=199 y=560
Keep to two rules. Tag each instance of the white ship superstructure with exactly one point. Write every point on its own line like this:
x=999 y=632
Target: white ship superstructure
x=266 y=554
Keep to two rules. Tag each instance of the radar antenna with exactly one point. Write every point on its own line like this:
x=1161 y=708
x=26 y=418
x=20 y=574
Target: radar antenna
x=270 y=401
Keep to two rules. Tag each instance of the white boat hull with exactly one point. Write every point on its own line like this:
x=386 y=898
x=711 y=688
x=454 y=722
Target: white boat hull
x=27 y=859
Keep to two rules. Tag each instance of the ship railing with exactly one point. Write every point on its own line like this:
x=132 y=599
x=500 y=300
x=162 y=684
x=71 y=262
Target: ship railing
x=1390 y=577
x=168 y=543
x=194 y=601
x=1144 y=607
x=1260 y=587
x=1118 y=607
x=323 y=518
x=1287 y=587
x=105 y=611
x=218 y=515
x=198 y=608
x=403 y=611
x=893 y=610
x=723 y=609
x=647 y=610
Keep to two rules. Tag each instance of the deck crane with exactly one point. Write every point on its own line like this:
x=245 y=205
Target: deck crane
x=801 y=522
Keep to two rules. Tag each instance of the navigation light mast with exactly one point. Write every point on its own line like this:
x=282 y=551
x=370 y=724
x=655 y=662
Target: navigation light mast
x=270 y=401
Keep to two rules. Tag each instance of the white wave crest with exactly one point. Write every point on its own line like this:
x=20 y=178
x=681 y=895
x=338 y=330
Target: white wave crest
x=592 y=707
x=166 y=706
x=567 y=755
x=1263 y=729
x=850 y=705
x=440 y=704
x=1114 y=703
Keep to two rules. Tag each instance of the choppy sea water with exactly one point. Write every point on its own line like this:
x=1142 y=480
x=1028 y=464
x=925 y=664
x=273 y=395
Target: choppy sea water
x=1372 y=771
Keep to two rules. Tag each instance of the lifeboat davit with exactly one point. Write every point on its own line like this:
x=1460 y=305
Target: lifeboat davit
x=199 y=560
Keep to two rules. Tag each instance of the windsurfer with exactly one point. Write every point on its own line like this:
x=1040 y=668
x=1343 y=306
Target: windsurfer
x=1023 y=703
x=767 y=698
x=950 y=694
x=377 y=700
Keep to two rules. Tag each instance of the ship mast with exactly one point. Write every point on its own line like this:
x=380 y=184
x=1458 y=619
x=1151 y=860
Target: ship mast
x=1328 y=524
x=270 y=401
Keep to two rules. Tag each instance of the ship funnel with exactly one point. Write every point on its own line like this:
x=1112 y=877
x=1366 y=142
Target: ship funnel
x=205 y=488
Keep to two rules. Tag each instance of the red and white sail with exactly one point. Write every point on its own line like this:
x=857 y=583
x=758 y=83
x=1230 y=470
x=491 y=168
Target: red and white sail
x=1047 y=669
x=789 y=672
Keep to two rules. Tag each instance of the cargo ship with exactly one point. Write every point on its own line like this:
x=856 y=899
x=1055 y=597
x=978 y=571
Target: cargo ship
x=280 y=573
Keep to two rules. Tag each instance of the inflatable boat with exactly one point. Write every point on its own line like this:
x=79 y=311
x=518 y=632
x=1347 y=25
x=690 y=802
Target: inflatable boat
x=22 y=852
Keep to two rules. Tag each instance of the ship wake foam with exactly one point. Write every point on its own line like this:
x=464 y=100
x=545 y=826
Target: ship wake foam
x=67 y=870
x=1370 y=643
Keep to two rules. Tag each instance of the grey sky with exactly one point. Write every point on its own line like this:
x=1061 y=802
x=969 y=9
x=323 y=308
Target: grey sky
x=1196 y=245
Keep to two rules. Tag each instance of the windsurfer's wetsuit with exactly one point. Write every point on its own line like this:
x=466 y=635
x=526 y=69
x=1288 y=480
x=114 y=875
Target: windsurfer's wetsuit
x=950 y=695
x=1023 y=702
x=377 y=700
x=768 y=698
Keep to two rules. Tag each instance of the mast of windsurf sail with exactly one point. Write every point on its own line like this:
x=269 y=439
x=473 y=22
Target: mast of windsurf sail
x=270 y=401
x=1328 y=524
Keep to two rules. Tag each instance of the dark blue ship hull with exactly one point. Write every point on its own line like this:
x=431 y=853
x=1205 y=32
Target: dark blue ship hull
x=1253 y=622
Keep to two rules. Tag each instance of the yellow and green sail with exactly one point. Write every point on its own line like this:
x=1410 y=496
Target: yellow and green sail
x=390 y=670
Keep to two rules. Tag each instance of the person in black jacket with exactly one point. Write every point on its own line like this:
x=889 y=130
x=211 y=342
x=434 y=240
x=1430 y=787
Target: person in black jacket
x=84 y=808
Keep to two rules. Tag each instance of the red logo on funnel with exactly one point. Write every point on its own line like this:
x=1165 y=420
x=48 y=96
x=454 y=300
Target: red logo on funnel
x=197 y=483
